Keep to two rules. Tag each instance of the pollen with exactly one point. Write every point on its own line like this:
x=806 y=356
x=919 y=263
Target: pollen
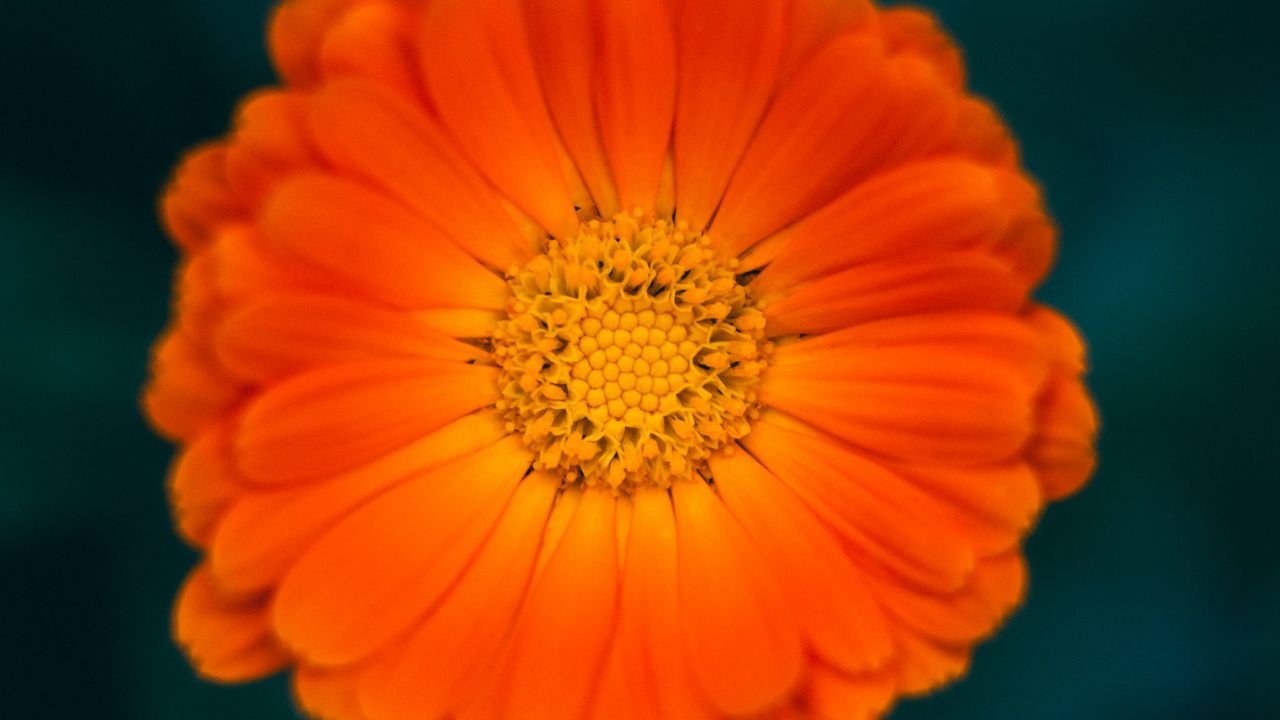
x=630 y=353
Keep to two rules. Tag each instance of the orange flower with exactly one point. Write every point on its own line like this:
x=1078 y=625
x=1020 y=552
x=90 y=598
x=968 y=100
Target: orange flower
x=610 y=359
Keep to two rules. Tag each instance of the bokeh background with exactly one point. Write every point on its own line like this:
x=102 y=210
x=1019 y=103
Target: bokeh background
x=1154 y=125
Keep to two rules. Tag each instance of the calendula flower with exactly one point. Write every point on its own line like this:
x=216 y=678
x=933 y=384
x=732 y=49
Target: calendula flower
x=610 y=359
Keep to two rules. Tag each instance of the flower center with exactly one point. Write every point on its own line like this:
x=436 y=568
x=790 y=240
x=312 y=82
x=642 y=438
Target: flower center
x=629 y=354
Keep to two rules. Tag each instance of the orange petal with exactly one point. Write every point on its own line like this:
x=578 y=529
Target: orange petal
x=726 y=80
x=462 y=322
x=444 y=660
x=982 y=135
x=815 y=23
x=199 y=199
x=833 y=695
x=1062 y=448
x=270 y=143
x=994 y=588
x=915 y=32
x=247 y=268
x=562 y=635
x=841 y=621
x=650 y=591
x=377 y=244
x=873 y=510
x=954 y=206
x=1007 y=494
x=882 y=386
x=266 y=531
x=740 y=637
x=635 y=94
x=226 y=641
x=825 y=129
x=202 y=484
x=377 y=135
x=338 y=417
x=327 y=693
x=895 y=287
x=386 y=564
x=480 y=75
x=565 y=43
x=187 y=394
x=926 y=664
x=373 y=41
x=279 y=335
x=296 y=33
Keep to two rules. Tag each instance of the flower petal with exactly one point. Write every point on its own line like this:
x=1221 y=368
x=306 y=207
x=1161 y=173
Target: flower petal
x=328 y=693
x=279 y=335
x=199 y=199
x=1061 y=449
x=338 y=417
x=833 y=695
x=376 y=135
x=726 y=80
x=268 y=528
x=378 y=245
x=562 y=635
x=385 y=565
x=295 y=36
x=881 y=386
x=915 y=32
x=863 y=502
x=270 y=143
x=226 y=641
x=899 y=286
x=373 y=41
x=635 y=90
x=824 y=130
x=650 y=589
x=725 y=588
x=565 y=44
x=203 y=483
x=815 y=23
x=994 y=588
x=481 y=77
x=955 y=205
x=444 y=660
x=927 y=664
x=187 y=393
x=842 y=622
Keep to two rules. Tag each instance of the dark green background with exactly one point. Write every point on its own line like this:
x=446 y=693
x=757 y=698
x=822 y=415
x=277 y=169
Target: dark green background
x=1154 y=126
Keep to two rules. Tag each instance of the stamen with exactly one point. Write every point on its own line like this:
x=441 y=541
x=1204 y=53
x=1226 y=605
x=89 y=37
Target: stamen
x=630 y=353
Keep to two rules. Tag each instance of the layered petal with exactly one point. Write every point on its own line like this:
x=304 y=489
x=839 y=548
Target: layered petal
x=385 y=565
x=481 y=77
x=1061 y=449
x=880 y=386
x=203 y=483
x=724 y=586
x=635 y=96
x=268 y=528
x=841 y=620
x=565 y=44
x=377 y=135
x=338 y=417
x=279 y=335
x=447 y=657
x=377 y=245
x=726 y=80
x=956 y=205
x=226 y=640
x=561 y=638
x=914 y=284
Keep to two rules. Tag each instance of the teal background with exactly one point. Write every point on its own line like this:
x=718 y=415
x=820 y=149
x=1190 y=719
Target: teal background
x=1153 y=125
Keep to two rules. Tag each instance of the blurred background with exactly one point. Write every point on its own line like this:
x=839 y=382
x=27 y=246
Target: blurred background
x=1152 y=123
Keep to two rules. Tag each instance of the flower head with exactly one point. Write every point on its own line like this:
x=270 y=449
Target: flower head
x=610 y=359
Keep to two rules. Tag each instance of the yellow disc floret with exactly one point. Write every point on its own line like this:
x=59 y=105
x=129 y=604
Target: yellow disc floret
x=630 y=353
